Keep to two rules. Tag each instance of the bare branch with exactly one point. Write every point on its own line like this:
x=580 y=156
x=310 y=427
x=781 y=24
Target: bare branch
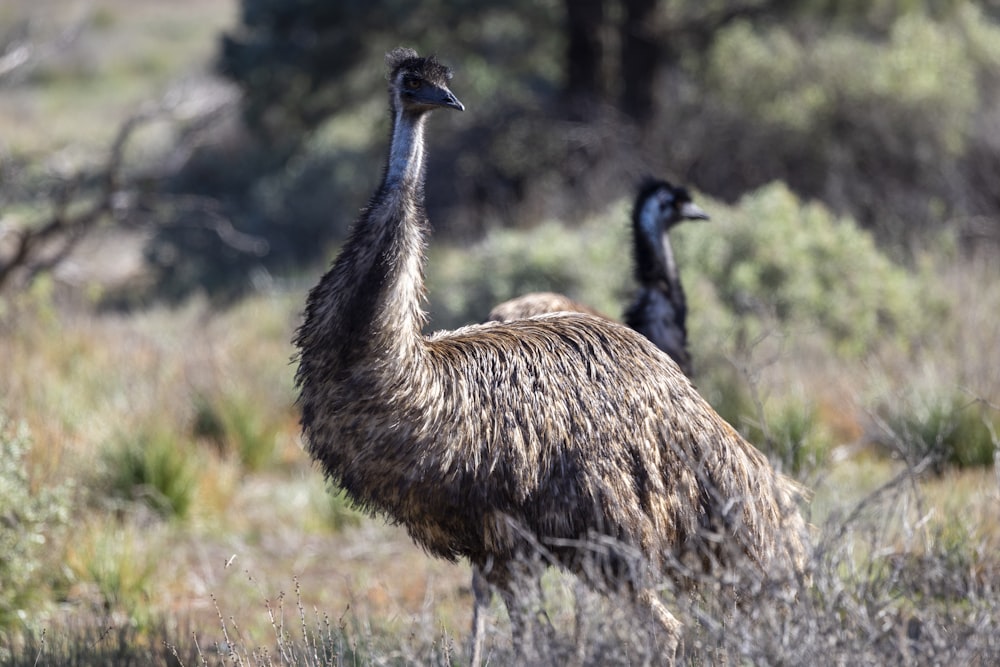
x=111 y=196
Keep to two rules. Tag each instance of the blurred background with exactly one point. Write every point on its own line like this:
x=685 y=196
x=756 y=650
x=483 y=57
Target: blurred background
x=174 y=176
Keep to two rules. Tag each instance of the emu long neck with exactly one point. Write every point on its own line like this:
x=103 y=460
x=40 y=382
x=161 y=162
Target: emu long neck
x=669 y=265
x=654 y=256
x=367 y=308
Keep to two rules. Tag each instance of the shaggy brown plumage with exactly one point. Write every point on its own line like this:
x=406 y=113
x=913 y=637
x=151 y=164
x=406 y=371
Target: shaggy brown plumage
x=493 y=440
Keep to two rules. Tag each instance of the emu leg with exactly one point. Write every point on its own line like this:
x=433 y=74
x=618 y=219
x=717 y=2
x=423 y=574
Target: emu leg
x=482 y=595
x=520 y=587
x=648 y=600
x=581 y=604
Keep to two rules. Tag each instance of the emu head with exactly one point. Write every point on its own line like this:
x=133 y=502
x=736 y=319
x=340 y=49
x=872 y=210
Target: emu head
x=419 y=84
x=660 y=206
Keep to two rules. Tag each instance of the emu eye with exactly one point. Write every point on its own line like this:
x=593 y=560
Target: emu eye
x=412 y=84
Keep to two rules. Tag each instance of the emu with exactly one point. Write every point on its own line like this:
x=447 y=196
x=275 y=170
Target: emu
x=493 y=441
x=659 y=309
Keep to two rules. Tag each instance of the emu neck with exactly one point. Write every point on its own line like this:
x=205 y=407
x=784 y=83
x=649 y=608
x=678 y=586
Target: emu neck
x=669 y=265
x=366 y=310
x=655 y=267
x=405 y=169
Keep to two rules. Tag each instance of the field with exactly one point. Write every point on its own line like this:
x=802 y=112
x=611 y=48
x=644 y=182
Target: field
x=157 y=505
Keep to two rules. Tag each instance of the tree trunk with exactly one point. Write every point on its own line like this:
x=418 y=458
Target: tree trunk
x=584 y=54
x=640 y=58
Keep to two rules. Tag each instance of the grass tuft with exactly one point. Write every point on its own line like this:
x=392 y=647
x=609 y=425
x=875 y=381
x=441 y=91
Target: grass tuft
x=154 y=467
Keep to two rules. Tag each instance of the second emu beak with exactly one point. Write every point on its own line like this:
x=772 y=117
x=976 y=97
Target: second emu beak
x=691 y=211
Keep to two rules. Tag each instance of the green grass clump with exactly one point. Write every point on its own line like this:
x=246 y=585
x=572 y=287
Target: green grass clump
x=237 y=426
x=952 y=430
x=155 y=467
x=793 y=434
x=117 y=565
x=28 y=517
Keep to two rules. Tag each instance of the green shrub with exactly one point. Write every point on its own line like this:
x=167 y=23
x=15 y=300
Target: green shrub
x=768 y=261
x=772 y=260
x=924 y=73
x=590 y=263
x=951 y=429
x=335 y=509
x=236 y=426
x=119 y=565
x=28 y=518
x=883 y=125
x=154 y=467
x=793 y=434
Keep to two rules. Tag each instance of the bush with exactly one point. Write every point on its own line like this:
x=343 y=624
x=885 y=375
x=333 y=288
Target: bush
x=152 y=467
x=588 y=263
x=28 y=517
x=118 y=564
x=768 y=261
x=793 y=434
x=881 y=126
x=774 y=261
x=950 y=429
x=237 y=426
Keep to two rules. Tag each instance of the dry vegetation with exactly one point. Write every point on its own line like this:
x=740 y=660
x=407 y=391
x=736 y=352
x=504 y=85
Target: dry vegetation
x=158 y=508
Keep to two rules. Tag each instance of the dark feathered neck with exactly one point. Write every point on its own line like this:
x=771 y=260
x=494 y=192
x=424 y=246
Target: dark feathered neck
x=366 y=309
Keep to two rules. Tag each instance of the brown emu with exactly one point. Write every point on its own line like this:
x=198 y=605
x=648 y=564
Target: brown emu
x=493 y=441
x=659 y=309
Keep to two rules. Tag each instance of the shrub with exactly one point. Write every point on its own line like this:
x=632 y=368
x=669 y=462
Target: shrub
x=119 y=566
x=792 y=433
x=589 y=262
x=772 y=260
x=877 y=125
x=950 y=429
x=28 y=517
x=236 y=426
x=153 y=467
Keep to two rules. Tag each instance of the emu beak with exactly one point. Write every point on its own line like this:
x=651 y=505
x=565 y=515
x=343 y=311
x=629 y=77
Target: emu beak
x=451 y=101
x=691 y=211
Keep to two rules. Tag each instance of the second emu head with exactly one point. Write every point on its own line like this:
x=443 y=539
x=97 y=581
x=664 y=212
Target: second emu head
x=659 y=206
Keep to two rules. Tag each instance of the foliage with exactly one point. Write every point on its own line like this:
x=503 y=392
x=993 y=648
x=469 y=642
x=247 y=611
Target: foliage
x=770 y=260
x=952 y=430
x=85 y=644
x=773 y=259
x=584 y=263
x=300 y=62
x=119 y=564
x=152 y=466
x=335 y=510
x=890 y=128
x=29 y=517
x=921 y=74
x=234 y=424
x=794 y=434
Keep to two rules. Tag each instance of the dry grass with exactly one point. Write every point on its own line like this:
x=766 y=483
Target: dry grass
x=908 y=567
x=917 y=554
x=94 y=62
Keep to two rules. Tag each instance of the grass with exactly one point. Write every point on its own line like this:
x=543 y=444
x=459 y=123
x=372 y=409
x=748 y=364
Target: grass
x=247 y=557
x=120 y=55
x=918 y=555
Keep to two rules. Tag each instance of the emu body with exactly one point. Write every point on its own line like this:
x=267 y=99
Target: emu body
x=491 y=440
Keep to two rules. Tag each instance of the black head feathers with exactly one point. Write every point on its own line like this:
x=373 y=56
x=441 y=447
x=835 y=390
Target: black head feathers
x=402 y=58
